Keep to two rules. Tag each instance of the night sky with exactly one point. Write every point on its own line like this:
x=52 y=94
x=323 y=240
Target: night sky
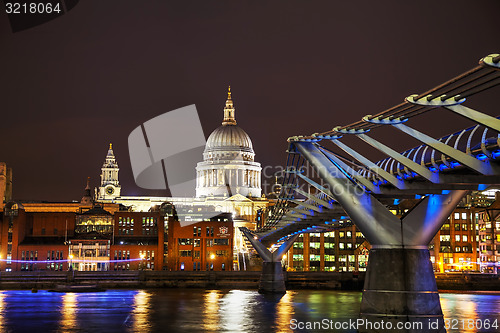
x=74 y=84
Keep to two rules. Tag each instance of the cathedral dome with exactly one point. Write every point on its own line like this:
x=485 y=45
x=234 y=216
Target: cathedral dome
x=228 y=166
x=229 y=137
x=229 y=141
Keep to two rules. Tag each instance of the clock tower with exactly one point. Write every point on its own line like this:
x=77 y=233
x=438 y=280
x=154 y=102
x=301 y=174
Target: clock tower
x=110 y=187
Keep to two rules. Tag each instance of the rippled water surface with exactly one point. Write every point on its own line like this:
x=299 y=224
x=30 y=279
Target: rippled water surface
x=198 y=310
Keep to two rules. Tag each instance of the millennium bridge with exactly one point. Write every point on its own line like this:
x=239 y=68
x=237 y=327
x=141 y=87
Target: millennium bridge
x=350 y=188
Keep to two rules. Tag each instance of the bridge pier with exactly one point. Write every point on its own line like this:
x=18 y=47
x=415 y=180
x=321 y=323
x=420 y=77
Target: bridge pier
x=272 y=280
x=400 y=287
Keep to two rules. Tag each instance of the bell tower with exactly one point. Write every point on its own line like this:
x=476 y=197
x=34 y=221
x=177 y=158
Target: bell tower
x=110 y=186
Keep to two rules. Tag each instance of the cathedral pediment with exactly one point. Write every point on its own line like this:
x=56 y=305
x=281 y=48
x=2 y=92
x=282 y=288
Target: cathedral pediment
x=238 y=197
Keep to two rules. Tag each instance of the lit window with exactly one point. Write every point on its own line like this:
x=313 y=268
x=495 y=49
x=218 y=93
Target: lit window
x=314 y=245
x=341 y=245
x=464 y=216
x=457 y=238
x=444 y=238
x=464 y=238
x=298 y=245
x=457 y=216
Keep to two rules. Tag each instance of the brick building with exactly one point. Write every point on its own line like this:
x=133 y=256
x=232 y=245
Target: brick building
x=204 y=245
x=92 y=238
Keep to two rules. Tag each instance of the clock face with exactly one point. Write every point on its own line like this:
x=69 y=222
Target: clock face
x=110 y=190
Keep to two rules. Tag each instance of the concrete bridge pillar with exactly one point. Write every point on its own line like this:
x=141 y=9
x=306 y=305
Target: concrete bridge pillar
x=400 y=289
x=272 y=279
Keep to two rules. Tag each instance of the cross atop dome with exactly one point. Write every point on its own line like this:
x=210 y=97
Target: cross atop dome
x=229 y=110
x=110 y=151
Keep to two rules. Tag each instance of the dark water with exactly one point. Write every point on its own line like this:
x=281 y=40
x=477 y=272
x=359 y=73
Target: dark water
x=197 y=310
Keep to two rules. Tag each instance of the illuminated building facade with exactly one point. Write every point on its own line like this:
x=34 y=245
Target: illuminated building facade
x=201 y=246
x=5 y=184
x=343 y=250
x=454 y=248
x=228 y=166
x=489 y=238
x=110 y=186
x=92 y=238
x=228 y=181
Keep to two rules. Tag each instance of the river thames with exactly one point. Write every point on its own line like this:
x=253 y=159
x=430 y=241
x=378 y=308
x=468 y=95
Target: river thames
x=199 y=310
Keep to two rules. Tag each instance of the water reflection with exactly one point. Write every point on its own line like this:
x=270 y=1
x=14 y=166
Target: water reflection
x=2 y=297
x=197 y=310
x=470 y=312
x=285 y=312
x=141 y=312
x=68 y=311
x=210 y=320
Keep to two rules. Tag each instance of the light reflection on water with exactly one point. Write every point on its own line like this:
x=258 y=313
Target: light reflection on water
x=68 y=311
x=466 y=311
x=198 y=310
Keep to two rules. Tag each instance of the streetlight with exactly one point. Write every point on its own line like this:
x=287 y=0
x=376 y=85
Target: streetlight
x=70 y=257
x=212 y=257
x=142 y=255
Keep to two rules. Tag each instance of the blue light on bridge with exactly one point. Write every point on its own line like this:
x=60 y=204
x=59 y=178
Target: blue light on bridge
x=482 y=187
x=454 y=164
x=496 y=154
x=396 y=202
x=481 y=157
x=445 y=192
x=418 y=196
x=433 y=169
x=443 y=167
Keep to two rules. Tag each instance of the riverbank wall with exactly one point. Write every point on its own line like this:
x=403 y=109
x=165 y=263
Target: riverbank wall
x=223 y=280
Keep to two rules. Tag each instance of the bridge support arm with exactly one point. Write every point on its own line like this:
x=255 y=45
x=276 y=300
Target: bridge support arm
x=280 y=252
x=422 y=223
x=272 y=279
x=376 y=223
x=263 y=251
